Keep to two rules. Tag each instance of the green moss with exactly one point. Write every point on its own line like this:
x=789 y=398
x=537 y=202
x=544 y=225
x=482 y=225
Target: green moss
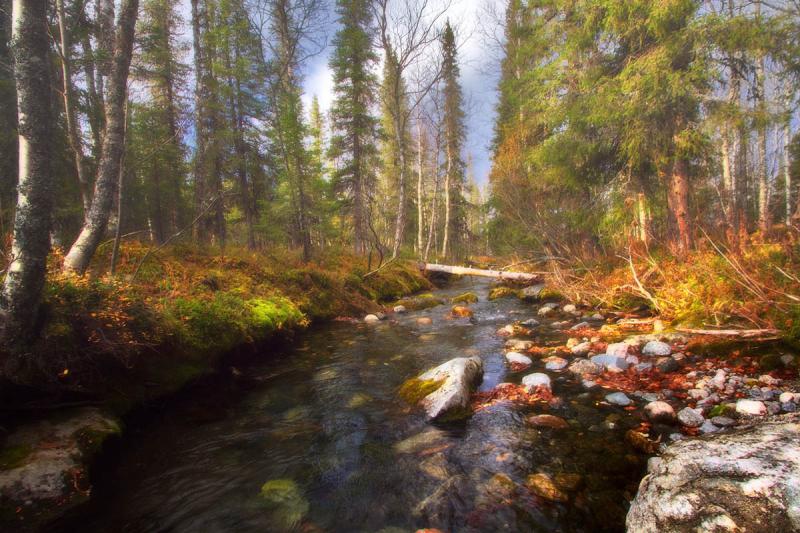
x=770 y=362
x=502 y=292
x=423 y=301
x=550 y=294
x=466 y=298
x=286 y=504
x=414 y=390
x=720 y=410
x=14 y=456
x=455 y=415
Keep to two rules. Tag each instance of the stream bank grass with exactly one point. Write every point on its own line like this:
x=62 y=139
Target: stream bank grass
x=160 y=323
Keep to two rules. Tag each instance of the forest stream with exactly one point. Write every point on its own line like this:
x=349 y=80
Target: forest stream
x=321 y=428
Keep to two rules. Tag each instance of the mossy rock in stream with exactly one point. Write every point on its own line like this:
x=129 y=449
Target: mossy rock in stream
x=417 y=303
x=503 y=292
x=286 y=504
x=466 y=298
x=415 y=389
x=13 y=456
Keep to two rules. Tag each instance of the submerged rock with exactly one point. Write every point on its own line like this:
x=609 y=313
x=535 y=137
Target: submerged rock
x=657 y=348
x=690 y=417
x=454 y=382
x=537 y=379
x=285 y=501
x=400 y=309
x=371 y=319
x=744 y=480
x=548 y=421
x=517 y=358
x=618 y=398
x=610 y=362
x=43 y=464
x=555 y=363
x=584 y=366
x=519 y=345
x=659 y=411
x=543 y=486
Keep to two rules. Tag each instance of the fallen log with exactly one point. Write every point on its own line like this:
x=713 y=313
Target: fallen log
x=497 y=274
x=754 y=334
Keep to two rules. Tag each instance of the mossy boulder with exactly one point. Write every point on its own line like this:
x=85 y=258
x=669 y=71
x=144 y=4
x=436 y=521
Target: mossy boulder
x=422 y=301
x=466 y=298
x=461 y=311
x=285 y=502
x=415 y=389
x=770 y=362
x=503 y=292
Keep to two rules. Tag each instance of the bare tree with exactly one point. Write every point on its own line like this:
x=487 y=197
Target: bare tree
x=32 y=223
x=407 y=31
x=82 y=250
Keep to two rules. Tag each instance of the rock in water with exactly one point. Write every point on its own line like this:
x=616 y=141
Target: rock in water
x=286 y=503
x=659 y=411
x=457 y=377
x=657 y=348
x=618 y=398
x=399 y=309
x=744 y=480
x=518 y=359
x=689 y=417
x=751 y=408
x=371 y=319
x=548 y=421
x=537 y=379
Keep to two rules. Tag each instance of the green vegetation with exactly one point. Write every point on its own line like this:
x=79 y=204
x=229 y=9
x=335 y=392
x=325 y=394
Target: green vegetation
x=14 y=456
x=466 y=298
x=414 y=389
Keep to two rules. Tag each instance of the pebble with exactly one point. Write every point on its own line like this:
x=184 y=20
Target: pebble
x=786 y=397
x=531 y=323
x=773 y=408
x=371 y=319
x=569 y=308
x=542 y=485
x=618 y=349
x=644 y=367
x=588 y=384
x=399 y=309
x=789 y=407
x=518 y=358
x=597 y=316
x=584 y=366
x=708 y=427
x=766 y=379
x=610 y=362
x=537 y=379
x=555 y=363
x=718 y=381
x=544 y=311
x=572 y=342
x=666 y=364
x=519 y=345
x=581 y=325
x=659 y=411
x=690 y=417
x=723 y=421
x=697 y=394
x=751 y=408
x=581 y=349
x=424 y=320
x=618 y=398
x=656 y=348
x=549 y=421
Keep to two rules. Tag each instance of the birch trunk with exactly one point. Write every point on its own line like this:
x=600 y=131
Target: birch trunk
x=77 y=260
x=25 y=276
x=763 y=181
x=400 y=222
x=420 y=158
x=445 y=240
x=787 y=174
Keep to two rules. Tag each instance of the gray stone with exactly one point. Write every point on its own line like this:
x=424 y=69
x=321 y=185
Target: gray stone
x=518 y=358
x=400 y=309
x=708 y=427
x=581 y=325
x=656 y=348
x=544 y=311
x=569 y=308
x=644 y=367
x=773 y=408
x=555 y=363
x=458 y=377
x=532 y=292
x=723 y=421
x=371 y=319
x=537 y=379
x=530 y=323
x=584 y=366
x=610 y=362
x=690 y=417
x=697 y=394
x=581 y=349
x=743 y=480
x=618 y=349
x=659 y=411
x=789 y=407
x=751 y=408
x=618 y=398
x=666 y=364
x=519 y=345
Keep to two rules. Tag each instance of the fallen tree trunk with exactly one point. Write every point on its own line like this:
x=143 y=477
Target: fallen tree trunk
x=466 y=271
x=755 y=334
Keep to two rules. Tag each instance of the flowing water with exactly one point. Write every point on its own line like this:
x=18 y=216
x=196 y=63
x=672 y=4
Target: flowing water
x=322 y=426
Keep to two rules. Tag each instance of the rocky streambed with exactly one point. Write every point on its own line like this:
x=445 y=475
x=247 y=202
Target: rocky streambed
x=453 y=411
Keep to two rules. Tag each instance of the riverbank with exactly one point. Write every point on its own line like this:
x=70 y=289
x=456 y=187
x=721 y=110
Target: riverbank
x=110 y=344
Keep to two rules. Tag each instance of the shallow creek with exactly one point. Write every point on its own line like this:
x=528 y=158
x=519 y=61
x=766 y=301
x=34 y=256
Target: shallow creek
x=321 y=424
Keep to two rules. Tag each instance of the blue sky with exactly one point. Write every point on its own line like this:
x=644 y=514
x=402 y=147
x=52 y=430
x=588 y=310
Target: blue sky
x=479 y=60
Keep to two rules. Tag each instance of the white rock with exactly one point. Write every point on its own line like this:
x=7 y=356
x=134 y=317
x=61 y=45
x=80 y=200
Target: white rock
x=569 y=308
x=459 y=376
x=789 y=397
x=766 y=379
x=555 y=363
x=659 y=411
x=399 y=309
x=518 y=345
x=581 y=325
x=584 y=366
x=544 y=311
x=582 y=348
x=618 y=349
x=518 y=358
x=530 y=323
x=697 y=394
x=751 y=407
x=537 y=379
x=618 y=398
x=690 y=417
x=371 y=319
x=610 y=362
x=657 y=348
x=749 y=475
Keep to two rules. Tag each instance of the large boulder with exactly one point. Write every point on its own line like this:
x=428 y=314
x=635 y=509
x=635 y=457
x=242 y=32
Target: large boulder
x=447 y=387
x=43 y=464
x=743 y=480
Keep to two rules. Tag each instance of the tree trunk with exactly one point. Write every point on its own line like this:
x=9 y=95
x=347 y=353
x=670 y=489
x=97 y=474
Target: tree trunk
x=73 y=127
x=94 y=228
x=32 y=222
x=466 y=271
x=787 y=174
x=420 y=182
x=679 y=205
x=447 y=202
x=763 y=181
x=400 y=222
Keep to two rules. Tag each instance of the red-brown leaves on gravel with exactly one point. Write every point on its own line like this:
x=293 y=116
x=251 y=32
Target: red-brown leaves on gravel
x=510 y=392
